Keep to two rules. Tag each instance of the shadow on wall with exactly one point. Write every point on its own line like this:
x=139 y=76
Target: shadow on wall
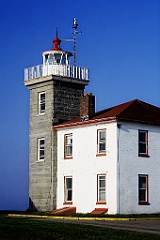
x=31 y=207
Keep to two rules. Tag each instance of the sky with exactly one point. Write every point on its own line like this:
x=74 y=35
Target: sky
x=120 y=44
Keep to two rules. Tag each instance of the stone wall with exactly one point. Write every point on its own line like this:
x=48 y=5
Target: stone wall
x=62 y=102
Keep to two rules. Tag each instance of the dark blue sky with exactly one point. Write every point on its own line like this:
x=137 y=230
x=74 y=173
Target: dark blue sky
x=120 y=44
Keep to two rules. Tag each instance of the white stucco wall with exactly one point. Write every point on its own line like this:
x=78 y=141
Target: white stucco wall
x=131 y=165
x=121 y=166
x=85 y=166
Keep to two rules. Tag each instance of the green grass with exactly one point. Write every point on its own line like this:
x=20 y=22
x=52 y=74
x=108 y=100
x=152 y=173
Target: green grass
x=22 y=228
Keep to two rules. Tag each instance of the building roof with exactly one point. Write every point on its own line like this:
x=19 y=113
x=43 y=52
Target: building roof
x=132 y=111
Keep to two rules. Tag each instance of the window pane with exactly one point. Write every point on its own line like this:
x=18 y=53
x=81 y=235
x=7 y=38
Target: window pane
x=102 y=135
x=69 y=139
x=43 y=107
x=69 y=150
x=69 y=182
x=41 y=154
x=42 y=142
x=102 y=184
x=142 y=182
x=142 y=148
x=142 y=195
x=69 y=197
x=102 y=147
x=102 y=196
x=142 y=136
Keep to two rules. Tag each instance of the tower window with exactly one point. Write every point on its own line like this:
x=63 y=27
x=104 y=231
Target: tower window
x=41 y=149
x=42 y=103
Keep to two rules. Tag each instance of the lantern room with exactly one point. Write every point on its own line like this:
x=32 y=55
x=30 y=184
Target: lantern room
x=56 y=55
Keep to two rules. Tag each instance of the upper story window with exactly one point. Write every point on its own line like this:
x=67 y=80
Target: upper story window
x=101 y=195
x=143 y=189
x=41 y=149
x=68 y=145
x=143 y=143
x=101 y=141
x=42 y=103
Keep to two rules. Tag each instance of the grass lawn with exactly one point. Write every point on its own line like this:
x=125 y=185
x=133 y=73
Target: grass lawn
x=22 y=228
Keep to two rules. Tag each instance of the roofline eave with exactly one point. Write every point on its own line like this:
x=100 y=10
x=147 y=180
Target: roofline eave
x=84 y=123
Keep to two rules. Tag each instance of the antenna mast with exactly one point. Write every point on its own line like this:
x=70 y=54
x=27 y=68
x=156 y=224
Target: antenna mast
x=75 y=25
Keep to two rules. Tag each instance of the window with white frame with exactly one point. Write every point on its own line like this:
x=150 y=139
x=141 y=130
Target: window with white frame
x=142 y=142
x=101 y=141
x=68 y=189
x=101 y=182
x=41 y=149
x=143 y=189
x=42 y=103
x=68 y=145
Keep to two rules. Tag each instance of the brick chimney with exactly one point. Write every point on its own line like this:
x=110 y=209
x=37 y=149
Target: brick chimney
x=87 y=106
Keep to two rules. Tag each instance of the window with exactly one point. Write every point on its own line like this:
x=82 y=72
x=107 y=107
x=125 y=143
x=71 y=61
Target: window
x=101 y=141
x=143 y=189
x=67 y=189
x=41 y=149
x=42 y=103
x=101 y=182
x=143 y=143
x=68 y=145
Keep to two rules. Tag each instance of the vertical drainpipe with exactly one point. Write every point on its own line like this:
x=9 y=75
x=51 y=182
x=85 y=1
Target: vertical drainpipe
x=118 y=168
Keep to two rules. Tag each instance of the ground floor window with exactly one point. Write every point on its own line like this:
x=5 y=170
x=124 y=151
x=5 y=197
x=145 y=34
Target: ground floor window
x=143 y=189
x=101 y=188
x=68 y=182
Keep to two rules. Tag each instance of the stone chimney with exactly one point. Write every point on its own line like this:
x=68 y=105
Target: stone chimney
x=87 y=106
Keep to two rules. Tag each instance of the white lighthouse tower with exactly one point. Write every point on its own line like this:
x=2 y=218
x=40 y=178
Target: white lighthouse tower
x=55 y=90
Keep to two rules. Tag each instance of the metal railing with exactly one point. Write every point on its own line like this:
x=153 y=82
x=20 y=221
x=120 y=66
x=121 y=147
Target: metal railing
x=56 y=69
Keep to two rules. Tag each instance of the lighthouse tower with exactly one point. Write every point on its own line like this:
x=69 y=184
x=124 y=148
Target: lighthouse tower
x=55 y=89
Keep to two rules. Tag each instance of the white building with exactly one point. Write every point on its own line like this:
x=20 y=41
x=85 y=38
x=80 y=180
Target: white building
x=109 y=161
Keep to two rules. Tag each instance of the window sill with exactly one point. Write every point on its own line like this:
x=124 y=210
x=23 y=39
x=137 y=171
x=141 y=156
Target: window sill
x=100 y=154
x=144 y=203
x=40 y=161
x=143 y=155
x=67 y=203
x=68 y=158
x=100 y=203
x=40 y=114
